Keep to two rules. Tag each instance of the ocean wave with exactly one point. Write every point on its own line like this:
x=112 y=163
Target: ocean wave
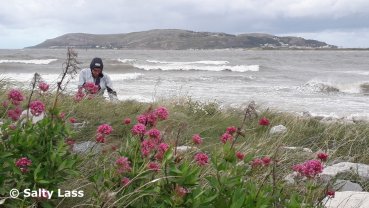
x=330 y=87
x=31 y=61
x=127 y=61
x=127 y=76
x=366 y=73
x=27 y=77
x=205 y=62
x=237 y=68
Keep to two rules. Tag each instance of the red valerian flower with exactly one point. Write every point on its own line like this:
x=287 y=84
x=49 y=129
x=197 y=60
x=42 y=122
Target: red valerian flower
x=37 y=107
x=43 y=86
x=202 y=159
x=196 y=139
x=331 y=193
x=127 y=121
x=322 y=156
x=264 y=121
x=240 y=155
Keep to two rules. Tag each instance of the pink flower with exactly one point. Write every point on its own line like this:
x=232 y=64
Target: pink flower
x=15 y=96
x=322 y=156
x=72 y=120
x=91 y=88
x=310 y=168
x=79 y=96
x=330 y=193
x=181 y=191
x=201 y=159
x=196 y=139
x=151 y=119
x=61 y=115
x=127 y=121
x=5 y=104
x=154 y=166
x=125 y=181
x=266 y=160
x=141 y=119
x=162 y=113
x=264 y=121
x=43 y=86
x=104 y=129
x=163 y=147
x=15 y=114
x=70 y=142
x=154 y=134
x=37 y=107
x=23 y=164
x=226 y=137
x=231 y=130
x=146 y=147
x=257 y=162
x=100 y=138
x=124 y=165
x=138 y=129
x=240 y=155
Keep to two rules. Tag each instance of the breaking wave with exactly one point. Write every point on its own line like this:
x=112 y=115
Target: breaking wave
x=31 y=61
x=329 y=87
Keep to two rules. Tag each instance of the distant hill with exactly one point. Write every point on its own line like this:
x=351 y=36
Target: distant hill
x=166 y=39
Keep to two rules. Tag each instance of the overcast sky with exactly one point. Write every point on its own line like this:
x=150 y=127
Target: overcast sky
x=344 y=23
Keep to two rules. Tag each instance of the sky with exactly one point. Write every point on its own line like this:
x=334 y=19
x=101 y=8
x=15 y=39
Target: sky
x=344 y=23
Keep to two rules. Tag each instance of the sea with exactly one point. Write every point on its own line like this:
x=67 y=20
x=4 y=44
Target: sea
x=328 y=83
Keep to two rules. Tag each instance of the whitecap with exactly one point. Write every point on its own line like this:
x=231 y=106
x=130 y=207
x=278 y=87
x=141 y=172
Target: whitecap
x=126 y=61
x=127 y=76
x=31 y=61
x=237 y=68
x=205 y=62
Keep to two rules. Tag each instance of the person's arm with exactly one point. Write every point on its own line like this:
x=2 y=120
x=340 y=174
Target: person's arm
x=109 y=86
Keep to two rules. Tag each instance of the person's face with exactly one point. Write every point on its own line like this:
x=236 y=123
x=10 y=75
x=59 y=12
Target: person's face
x=96 y=72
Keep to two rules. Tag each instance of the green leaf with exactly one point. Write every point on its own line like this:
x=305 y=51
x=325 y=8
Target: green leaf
x=238 y=198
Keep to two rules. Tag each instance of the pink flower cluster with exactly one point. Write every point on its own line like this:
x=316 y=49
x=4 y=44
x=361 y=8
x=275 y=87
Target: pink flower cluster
x=181 y=191
x=153 y=134
x=23 y=164
x=43 y=86
x=138 y=129
x=124 y=165
x=259 y=162
x=15 y=96
x=310 y=168
x=162 y=113
x=127 y=121
x=154 y=166
x=202 y=159
x=264 y=122
x=125 y=181
x=37 y=107
x=70 y=142
x=102 y=131
x=196 y=139
x=79 y=96
x=240 y=155
x=226 y=137
x=231 y=130
x=14 y=114
x=150 y=118
x=322 y=156
x=161 y=149
x=91 y=88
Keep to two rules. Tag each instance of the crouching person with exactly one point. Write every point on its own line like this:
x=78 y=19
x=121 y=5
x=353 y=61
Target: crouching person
x=95 y=80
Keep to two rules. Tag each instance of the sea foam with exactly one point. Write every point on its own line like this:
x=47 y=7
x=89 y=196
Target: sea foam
x=31 y=61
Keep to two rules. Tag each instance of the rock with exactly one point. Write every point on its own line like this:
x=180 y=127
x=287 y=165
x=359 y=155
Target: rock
x=347 y=199
x=183 y=149
x=280 y=129
x=34 y=119
x=78 y=126
x=87 y=146
x=344 y=185
x=290 y=178
x=345 y=167
x=299 y=148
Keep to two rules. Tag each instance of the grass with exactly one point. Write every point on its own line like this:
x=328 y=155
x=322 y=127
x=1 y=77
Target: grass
x=342 y=141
